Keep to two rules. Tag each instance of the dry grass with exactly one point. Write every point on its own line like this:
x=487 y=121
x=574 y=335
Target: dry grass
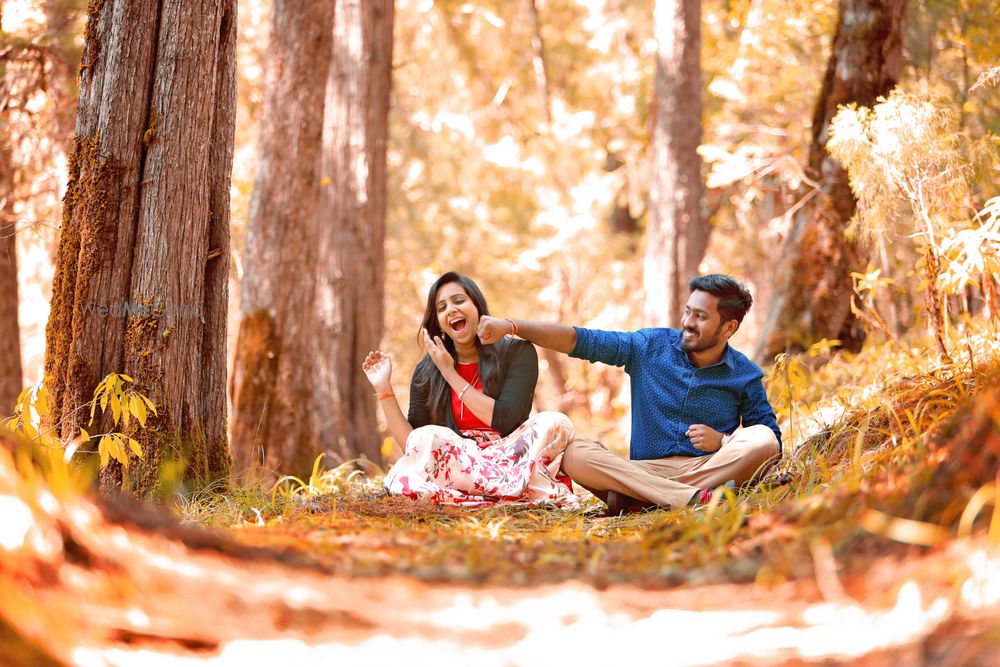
x=876 y=482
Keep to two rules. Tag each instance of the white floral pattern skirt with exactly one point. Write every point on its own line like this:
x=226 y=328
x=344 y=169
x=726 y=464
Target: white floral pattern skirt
x=524 y=466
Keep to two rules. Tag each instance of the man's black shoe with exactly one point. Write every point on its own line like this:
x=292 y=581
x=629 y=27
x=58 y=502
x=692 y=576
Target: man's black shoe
x=620 y=503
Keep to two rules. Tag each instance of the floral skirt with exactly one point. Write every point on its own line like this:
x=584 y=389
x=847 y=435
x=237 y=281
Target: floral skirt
x=524 y=466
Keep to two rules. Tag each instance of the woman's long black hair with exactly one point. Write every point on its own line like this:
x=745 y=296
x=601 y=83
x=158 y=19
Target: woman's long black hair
x=490 y=356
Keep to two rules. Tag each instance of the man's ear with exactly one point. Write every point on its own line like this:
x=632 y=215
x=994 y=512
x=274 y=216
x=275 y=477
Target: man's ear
x=731 y=327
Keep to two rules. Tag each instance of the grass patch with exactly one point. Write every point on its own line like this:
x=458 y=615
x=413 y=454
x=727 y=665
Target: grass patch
x=891 y=476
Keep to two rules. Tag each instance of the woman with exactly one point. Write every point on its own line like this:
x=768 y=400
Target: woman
x=468 y=439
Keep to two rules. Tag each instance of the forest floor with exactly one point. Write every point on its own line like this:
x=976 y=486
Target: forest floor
x=877 y=541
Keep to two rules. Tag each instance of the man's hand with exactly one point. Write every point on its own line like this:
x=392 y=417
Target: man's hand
x=438 y=353
x=705 y=438
x=492 y=329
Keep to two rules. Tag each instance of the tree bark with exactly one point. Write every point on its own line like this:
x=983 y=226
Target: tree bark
x=10 y=362
x=279 y=374
x=812 y=300
x=678 y=232
x=10 y=330
x=313 y=287
x=353 y=208
x=146 y=223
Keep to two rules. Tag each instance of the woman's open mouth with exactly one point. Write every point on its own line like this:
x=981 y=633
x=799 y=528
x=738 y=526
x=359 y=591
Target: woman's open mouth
x=458 y=324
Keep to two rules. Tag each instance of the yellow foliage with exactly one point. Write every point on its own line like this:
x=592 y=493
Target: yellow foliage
x=113 y=391
x=974 y=252
x=125 y=403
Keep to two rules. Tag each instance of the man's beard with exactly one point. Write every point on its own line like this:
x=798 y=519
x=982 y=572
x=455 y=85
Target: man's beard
x=699 y=343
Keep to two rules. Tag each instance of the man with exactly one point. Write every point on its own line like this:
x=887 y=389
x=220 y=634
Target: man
x=700 y=416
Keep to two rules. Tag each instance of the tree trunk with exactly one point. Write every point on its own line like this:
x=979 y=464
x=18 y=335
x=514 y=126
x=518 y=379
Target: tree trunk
x=353 y=208
x=10 y=331
x=61 y=19
x=678 y=232
x=146 y=225
x=10 y=362
x=279 y=374
x=812 y=300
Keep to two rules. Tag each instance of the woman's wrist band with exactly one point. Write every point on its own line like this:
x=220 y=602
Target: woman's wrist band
x=464 y=389
x=513 y=325
x=383 y=395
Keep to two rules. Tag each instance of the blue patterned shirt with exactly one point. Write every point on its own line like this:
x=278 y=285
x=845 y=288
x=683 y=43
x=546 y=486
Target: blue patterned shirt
x=669 y=393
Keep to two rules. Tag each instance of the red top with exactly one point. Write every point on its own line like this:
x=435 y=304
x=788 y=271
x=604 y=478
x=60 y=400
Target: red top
x=464 y=418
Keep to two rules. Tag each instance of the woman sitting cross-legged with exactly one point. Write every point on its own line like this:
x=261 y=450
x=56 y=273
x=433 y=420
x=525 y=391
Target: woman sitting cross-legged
x=468 y=438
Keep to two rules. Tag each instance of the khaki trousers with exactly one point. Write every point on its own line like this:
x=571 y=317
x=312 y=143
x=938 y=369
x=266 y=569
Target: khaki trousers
x=672 y=481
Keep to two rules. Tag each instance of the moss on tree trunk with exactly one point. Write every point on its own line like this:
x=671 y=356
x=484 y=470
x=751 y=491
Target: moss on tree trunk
x=145 y=223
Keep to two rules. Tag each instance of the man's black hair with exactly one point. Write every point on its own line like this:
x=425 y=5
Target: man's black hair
x=734 y=297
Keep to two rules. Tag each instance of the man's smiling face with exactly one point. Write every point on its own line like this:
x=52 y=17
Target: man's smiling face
x=701 y=325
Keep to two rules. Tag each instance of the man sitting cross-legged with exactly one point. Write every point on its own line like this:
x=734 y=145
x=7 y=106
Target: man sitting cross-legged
x=700 y=416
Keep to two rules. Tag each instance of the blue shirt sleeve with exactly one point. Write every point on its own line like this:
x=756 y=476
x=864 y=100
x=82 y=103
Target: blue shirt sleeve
x=617 y=348
x=757 y=409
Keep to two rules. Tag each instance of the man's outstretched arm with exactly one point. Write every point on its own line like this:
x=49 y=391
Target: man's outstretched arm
x=556 y=337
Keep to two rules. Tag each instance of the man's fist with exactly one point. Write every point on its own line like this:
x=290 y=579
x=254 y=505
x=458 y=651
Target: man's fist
x=492 y=329
x=705 y=438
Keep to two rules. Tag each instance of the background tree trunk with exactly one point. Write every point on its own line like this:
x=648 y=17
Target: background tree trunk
x=46 y=65
x=62 y=29
x=10 y=361
x=146 y=220
x=353 y=209
x=280 y=376
x=812 y=299
x=10 y=364
x=677 y=233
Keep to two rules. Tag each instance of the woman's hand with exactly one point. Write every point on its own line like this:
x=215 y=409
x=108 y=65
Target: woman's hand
x=378 y=369
x=492 y=329
x=438 y=353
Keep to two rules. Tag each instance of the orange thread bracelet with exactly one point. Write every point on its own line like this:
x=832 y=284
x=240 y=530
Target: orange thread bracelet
x=384 y=395
x=512 y=324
